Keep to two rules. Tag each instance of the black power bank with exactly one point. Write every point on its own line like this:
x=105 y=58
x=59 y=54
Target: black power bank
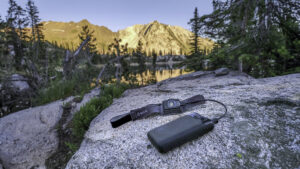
x=179 y=131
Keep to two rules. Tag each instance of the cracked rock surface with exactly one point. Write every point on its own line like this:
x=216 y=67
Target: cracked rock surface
x=28 y=137
x=261 y=130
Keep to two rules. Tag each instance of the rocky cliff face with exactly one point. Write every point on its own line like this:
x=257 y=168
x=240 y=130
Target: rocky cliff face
x=66 y=33
x=262 y=129
x=160 y=37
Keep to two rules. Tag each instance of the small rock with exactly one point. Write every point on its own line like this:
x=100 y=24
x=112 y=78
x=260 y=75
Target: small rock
x=221 y=71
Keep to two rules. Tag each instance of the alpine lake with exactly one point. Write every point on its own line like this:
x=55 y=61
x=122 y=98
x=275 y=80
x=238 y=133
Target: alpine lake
x=150 y=74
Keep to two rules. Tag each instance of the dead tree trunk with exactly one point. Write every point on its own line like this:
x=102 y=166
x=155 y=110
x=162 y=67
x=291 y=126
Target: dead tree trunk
x=104 y=67
x=240 y=65
x=38 y=80
x=70 y=59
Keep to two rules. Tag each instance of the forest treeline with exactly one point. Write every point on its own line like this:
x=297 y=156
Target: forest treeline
x=259 y=37
x=54 y=72
x=24 y=50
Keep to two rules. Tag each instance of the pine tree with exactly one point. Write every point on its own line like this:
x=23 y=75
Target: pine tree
x=2 y=34
x=118 y=48
x=91 y=45
x=37 y=37
x=180 y=51
x=90 y=48
x=38 y=55
x=15 y=32
x=154 y=58
x=262 y=34
x=120 y=51
x=195 y=25
x=160 y=53
x=2 y=41
x=140 y=56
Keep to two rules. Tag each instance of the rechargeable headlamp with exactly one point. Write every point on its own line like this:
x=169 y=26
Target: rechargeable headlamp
x=177 y=132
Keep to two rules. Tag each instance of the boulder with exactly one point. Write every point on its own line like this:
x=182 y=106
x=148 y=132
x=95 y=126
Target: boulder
x=221 y=71
x=29 y=137
x=15 y=94
x=261 y=130
x=19 y=82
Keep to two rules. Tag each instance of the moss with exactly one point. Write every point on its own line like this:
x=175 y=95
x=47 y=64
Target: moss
x=239 y=155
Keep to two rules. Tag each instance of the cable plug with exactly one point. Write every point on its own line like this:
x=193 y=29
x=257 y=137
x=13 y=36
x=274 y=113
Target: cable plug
x=215 y=120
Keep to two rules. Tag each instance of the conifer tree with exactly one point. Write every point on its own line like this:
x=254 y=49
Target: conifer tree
x=2 y=34
x=90 y=48
x=154 y=58
x=195 y=25
x=263 y=34
x=180 y=51
x=37 y=37
x=121 y=51
x=140 y=56
x=160 y=53
x=2 y=40
x=15 y=34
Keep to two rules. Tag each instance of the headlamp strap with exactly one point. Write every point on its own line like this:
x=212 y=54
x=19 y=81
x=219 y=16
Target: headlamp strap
x=170 y=106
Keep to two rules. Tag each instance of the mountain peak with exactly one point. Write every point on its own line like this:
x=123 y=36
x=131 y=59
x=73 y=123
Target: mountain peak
x=155 y=22
x=84 y=21
x=156 y=36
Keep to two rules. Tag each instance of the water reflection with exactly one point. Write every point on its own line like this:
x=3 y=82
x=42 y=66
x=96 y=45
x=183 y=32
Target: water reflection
x=153 y=76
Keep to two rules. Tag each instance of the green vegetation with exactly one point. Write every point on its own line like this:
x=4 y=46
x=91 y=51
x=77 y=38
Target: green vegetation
x=90 y=48
x=79 y=84
x=71 y=146
x=239 y=155
x=70 y=142
x=65 y=34
x=260 y=37
x=87 y=113
x=195 y=24
x=60 y=90
x=140 y=56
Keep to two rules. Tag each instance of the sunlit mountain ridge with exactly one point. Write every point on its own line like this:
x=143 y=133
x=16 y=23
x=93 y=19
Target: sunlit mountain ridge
x=161 y=38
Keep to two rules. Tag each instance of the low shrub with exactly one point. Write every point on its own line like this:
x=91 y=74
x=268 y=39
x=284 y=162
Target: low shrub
x=60 y=90
x=79 y=84
x=90 y=110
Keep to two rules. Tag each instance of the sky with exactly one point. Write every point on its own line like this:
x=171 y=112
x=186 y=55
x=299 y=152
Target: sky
x=117 y=14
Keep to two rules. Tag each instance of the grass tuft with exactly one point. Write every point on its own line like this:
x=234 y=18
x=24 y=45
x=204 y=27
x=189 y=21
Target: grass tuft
x=82 y=119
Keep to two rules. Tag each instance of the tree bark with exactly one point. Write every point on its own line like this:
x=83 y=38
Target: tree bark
x=70 y=59
x=240 y=65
